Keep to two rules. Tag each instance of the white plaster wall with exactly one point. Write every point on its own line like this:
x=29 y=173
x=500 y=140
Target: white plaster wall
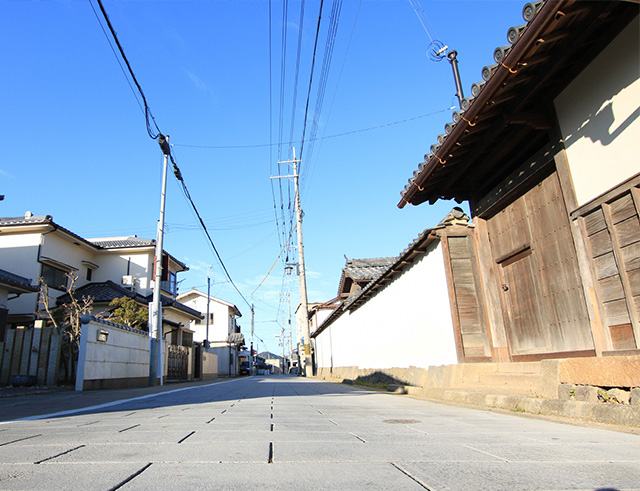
x=209 y=363
x=68 y=251
x=19 y=255
x=407 y=324
x=224 y=354
x=219 y=329
x=599 y=115
x=124 y=355
x=113 y=266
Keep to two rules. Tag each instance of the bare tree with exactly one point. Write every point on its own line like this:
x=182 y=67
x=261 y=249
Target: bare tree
x=66 y=319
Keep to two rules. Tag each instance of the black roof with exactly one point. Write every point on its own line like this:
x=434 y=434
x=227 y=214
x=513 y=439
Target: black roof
x=21 y=284
x=106 y=291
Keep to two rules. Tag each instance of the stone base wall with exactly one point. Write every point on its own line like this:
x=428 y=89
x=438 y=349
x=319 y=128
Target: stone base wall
x=533 y=379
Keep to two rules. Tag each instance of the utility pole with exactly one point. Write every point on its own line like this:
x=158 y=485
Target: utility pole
x=156 y=367
x=253 y=314
x=304 y=302
x=206 y=341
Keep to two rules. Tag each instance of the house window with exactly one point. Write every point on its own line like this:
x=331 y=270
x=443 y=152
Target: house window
x=170 y=285
x=54 y=277
x=89 y=274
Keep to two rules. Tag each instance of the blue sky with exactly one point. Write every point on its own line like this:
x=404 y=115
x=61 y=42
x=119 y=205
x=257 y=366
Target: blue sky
x=75 y=145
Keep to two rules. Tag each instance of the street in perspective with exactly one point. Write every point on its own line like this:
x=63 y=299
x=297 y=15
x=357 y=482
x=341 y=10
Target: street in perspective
x=283 y=432
x=208 y=280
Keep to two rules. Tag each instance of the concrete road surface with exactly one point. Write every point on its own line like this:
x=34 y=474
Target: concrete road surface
x=291 y=433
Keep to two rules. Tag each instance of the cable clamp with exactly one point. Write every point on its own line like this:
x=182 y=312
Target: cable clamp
x=509 y=69
x=420 y=188
x=439 y=159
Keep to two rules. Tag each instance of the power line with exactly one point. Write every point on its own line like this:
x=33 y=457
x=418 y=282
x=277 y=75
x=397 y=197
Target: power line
x=422 y=17
x=167 y=151
x=313 y=64
x=147 y=111
x=327 y=137
x=115 y=55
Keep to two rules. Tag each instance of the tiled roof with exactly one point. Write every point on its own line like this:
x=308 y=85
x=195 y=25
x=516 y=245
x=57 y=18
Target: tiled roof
x=557 y=39
x=19 y=282
x=405 y=260
x=367 y=269
x=530 y=11
x=103 y=292
x=25 y=220
x=122 y=242
x=106 y=291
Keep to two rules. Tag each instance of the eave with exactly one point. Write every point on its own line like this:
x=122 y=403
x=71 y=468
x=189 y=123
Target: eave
x=513 y=115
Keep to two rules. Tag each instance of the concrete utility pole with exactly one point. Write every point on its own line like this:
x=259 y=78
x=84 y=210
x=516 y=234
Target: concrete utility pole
x=206 y=342
x=156 y=367
x=304 y=302
x=253 y=314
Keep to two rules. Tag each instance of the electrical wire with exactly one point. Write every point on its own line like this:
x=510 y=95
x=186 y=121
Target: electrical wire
x=113 y=50
x=327 y=137
x=313 y=64
x=147 y=111
x=167 y=151
x=422 y=17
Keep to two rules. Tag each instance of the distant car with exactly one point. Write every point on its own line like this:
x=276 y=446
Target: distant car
x=245 y=369
x=294 y=371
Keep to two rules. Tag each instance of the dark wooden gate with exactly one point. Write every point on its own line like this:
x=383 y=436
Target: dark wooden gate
x=542 y=298
x=177 y=362
x=30 y=353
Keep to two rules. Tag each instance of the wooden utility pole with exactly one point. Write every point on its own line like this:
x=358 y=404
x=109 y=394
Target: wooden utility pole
x=304 y=302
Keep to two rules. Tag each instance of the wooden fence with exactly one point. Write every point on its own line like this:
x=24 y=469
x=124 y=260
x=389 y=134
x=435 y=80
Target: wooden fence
x=33 y=352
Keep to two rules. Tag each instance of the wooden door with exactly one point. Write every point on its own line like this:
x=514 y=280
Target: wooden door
x=541 y=290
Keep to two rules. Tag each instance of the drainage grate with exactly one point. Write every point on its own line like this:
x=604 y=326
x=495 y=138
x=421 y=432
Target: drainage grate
x=400 y=421
x=270 y=459
x=210 y=420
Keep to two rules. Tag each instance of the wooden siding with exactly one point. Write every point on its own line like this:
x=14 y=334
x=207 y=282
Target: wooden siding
x=542 y=297
x=612 y=229
x=467 y=307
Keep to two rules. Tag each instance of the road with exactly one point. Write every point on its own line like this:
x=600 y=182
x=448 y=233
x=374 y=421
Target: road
x=292 y=433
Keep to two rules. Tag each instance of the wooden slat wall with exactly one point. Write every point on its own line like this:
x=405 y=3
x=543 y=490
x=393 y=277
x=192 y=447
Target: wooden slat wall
x=613 y=238
x=543 y=301
x=30 y=351
x=475 y=343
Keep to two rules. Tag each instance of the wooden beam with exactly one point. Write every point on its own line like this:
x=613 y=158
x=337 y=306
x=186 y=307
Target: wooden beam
x=601 y=340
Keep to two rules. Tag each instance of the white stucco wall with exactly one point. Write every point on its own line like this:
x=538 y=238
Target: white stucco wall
x=19 y=255
x=125 y=355
x=219 y=329
x=113 y=266
x=599 y=116
x=407 y=324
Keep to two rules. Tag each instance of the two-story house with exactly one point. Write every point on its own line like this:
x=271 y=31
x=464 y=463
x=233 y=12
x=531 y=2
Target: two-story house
x=224 y=333
x=106 y=268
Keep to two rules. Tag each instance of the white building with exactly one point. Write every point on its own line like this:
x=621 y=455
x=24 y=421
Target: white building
x=106 y=268
x=225 y=337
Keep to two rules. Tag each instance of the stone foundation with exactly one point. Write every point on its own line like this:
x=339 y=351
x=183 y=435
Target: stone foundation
x=604 y=390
